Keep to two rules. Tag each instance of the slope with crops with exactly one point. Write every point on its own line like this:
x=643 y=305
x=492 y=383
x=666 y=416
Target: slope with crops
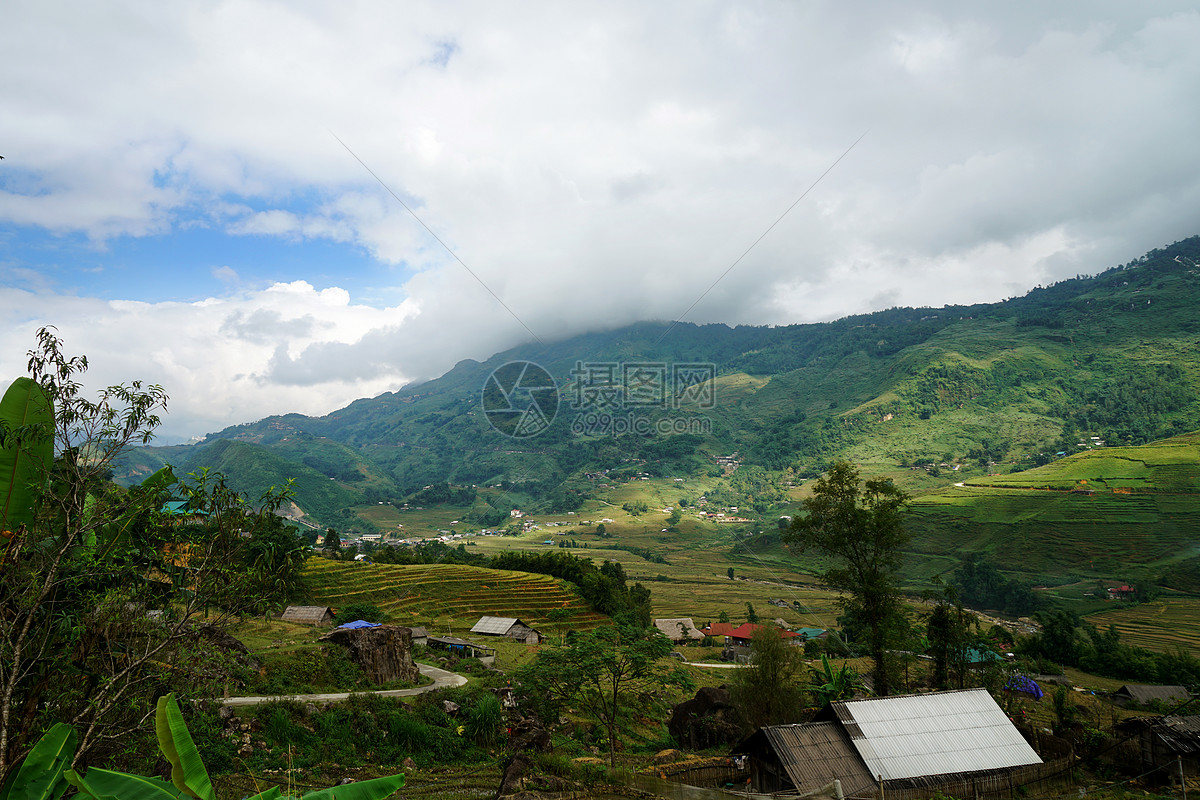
x=1122 y=511
x=449 y=593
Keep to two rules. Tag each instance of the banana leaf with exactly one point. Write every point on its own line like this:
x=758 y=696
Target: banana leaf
x=41 y=774
x=375 y=789
x=103 y=784
x=187 y=769
x=26 y=410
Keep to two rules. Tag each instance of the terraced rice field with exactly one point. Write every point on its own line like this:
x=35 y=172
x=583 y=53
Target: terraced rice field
x=1163 y=625
x=448 y=594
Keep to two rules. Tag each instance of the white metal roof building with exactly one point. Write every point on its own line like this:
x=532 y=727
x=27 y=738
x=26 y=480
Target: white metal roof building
x=912 y=736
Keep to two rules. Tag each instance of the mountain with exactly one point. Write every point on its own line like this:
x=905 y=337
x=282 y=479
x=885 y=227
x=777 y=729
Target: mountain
x=983 y=387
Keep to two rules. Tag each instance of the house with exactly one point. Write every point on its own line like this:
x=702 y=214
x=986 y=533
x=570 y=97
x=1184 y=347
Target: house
x=809 y=634
x=308 y=615
x=511 y=627
x=1137 y=694
x=741 y=635
x=801 y=758
x=463 y=648
x=1172 y=742
x=679 y=629
x=905 y=741
x=716 y=629
x=419 y=636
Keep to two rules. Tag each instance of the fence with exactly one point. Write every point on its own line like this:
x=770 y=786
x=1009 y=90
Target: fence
x=1033 y=779
x=717 y=772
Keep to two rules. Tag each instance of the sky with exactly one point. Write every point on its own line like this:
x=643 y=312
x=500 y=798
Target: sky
x=271 y=207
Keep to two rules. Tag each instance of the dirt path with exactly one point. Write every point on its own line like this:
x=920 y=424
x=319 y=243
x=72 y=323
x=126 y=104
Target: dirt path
x=442 y=679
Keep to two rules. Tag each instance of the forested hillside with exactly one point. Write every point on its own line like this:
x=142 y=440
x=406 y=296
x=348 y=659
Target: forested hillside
x=1016 y=382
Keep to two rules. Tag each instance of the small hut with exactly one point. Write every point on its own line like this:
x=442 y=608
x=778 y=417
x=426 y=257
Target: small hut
x=308 y=615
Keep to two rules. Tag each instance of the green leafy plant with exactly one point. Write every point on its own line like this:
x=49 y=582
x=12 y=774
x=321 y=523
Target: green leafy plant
x=26 y=448
x=44 y=774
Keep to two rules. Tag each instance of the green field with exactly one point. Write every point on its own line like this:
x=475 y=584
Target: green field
x=1162 y=625
x=1118 y=513
x=448 y=597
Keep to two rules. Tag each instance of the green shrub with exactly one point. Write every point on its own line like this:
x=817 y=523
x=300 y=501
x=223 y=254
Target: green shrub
x=363 y=611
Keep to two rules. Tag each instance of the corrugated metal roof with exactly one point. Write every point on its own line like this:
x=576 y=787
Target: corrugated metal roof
x=497 y=626
x=1144 y=694
x=910 y=736
x=816 y=753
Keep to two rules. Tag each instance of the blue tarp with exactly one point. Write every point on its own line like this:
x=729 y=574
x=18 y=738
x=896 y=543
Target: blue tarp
x=360 y=623
x=1023 y=683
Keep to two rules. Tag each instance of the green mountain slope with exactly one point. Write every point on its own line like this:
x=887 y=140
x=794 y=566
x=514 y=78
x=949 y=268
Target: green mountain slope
x=985 y=387
x=1120 y=511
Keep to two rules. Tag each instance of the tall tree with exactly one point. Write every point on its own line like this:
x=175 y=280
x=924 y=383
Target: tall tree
x=859 y=526
x=601 y=672
x=948 y=629
x=767 y=691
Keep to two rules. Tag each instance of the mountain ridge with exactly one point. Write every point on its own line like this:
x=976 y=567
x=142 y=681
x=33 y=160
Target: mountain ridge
x=1020 y=381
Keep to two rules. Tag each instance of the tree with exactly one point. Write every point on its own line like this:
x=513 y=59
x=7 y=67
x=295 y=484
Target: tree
x=333 y=542
x=723 y=617
x=860 y=527
x=830 y=685
x=729 y=572
x=601 y=672
x=106 y=598
x=751 y=614
x=767 y=691
x=948 y=629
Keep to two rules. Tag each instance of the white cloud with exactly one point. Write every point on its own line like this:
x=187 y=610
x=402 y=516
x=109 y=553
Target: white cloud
x=210 y=356
x=592 y=164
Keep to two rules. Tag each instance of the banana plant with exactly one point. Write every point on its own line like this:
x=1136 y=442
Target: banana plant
x=26 y=450
x=41 y=774
x=44 y=774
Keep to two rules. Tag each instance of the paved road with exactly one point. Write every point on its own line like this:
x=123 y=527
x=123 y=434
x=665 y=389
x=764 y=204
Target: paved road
x=713 y=666
x=442 y=679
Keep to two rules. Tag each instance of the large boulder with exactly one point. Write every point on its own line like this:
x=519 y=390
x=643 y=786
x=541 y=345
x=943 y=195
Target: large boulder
x=707 y=720
x=384 y=652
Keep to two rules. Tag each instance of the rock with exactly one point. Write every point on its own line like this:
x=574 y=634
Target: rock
x=408 y=763
x=309 y=709
x=225 y=713
x=667 y=756
x=384 y=652
x=707 y=720
x=450 y=707
x=345 y=781
x=514 y=774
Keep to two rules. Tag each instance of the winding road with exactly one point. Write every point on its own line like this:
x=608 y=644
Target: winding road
x=442 y=679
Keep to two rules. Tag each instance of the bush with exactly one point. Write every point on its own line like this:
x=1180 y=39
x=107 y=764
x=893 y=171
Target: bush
x=363 y=611
x=483 y=720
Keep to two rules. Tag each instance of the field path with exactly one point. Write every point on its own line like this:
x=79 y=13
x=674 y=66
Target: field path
x=442 y=679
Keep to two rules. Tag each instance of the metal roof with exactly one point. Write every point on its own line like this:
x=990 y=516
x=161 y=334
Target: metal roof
x=497 y=626
x=911 y=736
x=816 y=753
x=1144 y=694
